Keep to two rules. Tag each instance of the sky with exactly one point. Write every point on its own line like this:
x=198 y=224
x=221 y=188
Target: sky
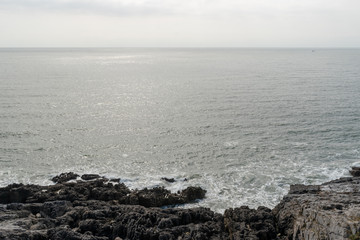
x=180 y=23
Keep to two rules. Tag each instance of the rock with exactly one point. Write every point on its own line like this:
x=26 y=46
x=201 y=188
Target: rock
x=98 y=210
x=355 y=171
x=55 y=209
x=159 y=196
x=152 y=223
x=100 y=220
x=115 y=180
x=246 y=223
x=170 y=180
x=192 y=193
x=61 y=233
x=327 y=211
x=97 y=190
x=303 y=189
x=64 y=177
x=90 y=176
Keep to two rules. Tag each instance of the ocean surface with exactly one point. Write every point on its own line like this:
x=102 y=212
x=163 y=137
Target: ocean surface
x=242 y=123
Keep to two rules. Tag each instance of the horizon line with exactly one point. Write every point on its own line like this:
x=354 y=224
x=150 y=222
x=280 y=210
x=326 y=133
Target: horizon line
x=174 y=47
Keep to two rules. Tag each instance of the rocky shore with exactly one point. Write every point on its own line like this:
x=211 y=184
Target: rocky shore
x=91 y=207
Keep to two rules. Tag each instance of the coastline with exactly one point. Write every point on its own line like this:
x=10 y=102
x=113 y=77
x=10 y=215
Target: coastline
x=98 y=208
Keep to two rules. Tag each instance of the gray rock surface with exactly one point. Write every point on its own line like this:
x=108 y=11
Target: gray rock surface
x=327 y=211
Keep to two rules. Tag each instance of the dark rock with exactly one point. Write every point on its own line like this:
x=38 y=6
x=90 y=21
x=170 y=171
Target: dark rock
x=115 y=180
x=159 y=196
x=89 y=225
x=61 y=234
x=97 y=190
x=170 y=180
x=98 y=210
x=93 y=210
x=100 y=220
x=151 y=223
x=90 y=176
x=355 y=171
x=192 y=193
x=55 y=209
x=64 y=177
x=16 y=193
x=246 y=223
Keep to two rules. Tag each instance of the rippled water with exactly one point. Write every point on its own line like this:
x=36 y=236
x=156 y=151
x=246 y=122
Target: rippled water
x=242 y=123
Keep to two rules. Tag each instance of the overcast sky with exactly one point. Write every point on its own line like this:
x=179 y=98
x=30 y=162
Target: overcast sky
x=179 y=23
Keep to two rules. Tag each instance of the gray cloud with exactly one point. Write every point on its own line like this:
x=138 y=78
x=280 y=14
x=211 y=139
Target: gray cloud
x=182 y=7
x=81 y=6
x=180 y=23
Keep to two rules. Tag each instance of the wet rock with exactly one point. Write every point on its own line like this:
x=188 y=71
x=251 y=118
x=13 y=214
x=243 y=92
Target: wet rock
x=90 y=176
x=97 y=190
x=93 y=210
x=190 y=194
x=160 y=196
x=64 y=177
x=170 y=180
x=355 y=171
x=116 y=180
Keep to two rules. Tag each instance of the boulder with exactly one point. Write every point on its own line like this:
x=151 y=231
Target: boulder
x=355 y=171
x=64 y=177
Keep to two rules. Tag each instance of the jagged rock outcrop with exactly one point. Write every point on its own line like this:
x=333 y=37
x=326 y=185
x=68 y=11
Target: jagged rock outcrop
x=101 y=220
x=64 y=177
x=99 y=209
x=98 y=189
x=246 y=223
x=327 y=211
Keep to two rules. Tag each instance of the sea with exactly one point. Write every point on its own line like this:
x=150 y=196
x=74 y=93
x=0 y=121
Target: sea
x=244 y=124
